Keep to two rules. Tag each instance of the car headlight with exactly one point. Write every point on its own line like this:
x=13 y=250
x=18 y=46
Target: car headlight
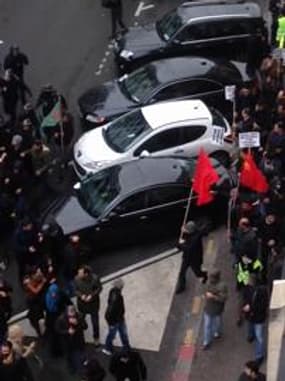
x=95 y=119
x=96 y=164
x=126 y=54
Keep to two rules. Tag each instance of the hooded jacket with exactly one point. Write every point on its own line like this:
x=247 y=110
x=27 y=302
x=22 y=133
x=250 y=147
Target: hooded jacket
x=115 y=312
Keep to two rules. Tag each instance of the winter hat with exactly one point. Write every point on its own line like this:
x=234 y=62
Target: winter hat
x=16 y=140
x=118 y=283
x=190 y=227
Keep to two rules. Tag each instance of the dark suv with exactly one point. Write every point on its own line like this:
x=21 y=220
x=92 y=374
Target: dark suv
x=210 y=28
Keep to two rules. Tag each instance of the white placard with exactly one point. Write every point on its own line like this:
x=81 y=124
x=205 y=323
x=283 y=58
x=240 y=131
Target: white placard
x=230 y=93
x=249 y=139
x=218 y=135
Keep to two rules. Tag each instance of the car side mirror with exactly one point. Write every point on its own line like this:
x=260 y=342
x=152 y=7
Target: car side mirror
x=144 y=153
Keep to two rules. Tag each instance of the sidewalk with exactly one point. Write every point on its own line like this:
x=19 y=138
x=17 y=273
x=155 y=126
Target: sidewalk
x=226 y=358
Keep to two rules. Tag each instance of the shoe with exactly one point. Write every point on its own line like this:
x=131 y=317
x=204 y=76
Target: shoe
x=106 y=352
x=205 y=278
x=179 y=290
x=217 y=335
x=250 y=339
x=205 y=347
x=239 y=322
x=259 y=361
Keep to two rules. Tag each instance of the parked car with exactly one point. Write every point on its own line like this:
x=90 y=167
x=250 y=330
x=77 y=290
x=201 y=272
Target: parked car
x=167 y=128
x=145 y=195
x=227 y=29
x=168 y=79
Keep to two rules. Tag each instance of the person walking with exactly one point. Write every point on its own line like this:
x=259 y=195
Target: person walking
x=116 y=9
x=16 y=61
x=192 y=247
x=87 y=290
x=215 y=298
x=251 y=372
x=128 y=365
x=71 y=325
x=256 y=301
x=12 y=365
x=115 y=317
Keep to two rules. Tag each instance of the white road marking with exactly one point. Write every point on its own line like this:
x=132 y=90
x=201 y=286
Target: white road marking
x=141 y=7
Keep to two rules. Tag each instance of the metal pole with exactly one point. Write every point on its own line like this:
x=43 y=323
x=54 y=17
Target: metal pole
x=186 y=212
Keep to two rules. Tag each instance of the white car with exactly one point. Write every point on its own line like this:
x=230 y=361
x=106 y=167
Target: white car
x=172 y=128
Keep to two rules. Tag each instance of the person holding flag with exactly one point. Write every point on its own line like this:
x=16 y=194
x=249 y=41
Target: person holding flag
x=190 y=241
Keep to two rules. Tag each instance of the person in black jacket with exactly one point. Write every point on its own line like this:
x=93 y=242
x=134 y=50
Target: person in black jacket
x=128 y=364
x=71 y=325
x=92 y=370
x=255 y=307
x=13 y=366
x=192 y=247
x=115 y=317
x=117 y=16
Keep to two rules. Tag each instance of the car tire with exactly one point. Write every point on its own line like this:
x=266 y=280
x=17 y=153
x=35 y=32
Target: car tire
x=222 y=156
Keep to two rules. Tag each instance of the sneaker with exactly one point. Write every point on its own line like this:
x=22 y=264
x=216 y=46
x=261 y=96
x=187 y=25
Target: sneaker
x=250 y=339
x=106 y=352
x=205 y=347
x=217 y=335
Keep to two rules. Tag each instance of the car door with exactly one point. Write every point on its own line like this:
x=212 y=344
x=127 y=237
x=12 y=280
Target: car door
x=193 y=138
x=210 y=91
x=165 y=142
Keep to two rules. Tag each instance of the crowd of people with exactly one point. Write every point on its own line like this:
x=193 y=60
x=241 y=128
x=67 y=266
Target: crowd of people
x=52 y=269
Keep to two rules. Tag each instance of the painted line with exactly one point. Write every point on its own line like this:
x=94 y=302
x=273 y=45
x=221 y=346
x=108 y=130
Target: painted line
x=196 y=305
x=188 y=338
x=179 y=376
x=141 y=7
x=186 y=352
x=109 y=278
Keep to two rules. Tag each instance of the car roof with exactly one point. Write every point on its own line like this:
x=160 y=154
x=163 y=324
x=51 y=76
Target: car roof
x=172 y=69
x=164 y=113
x=193 y=10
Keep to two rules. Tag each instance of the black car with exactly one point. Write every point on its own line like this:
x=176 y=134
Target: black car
x=228 y=29
x=144 y=196
x=173 y=78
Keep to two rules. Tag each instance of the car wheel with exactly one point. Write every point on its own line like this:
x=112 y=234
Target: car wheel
x=222 y=156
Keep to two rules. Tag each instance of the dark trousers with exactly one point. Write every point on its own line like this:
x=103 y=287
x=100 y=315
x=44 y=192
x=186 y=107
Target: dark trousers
x=75 y=359
x=196 y=268
x=116 y=15
x=54 y=341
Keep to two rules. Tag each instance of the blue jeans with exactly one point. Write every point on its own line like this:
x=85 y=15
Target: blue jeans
x=212 y=327
x=113 y=329
x=256 y=331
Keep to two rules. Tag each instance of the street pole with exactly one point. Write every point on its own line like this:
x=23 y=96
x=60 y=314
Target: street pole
x=186 y=212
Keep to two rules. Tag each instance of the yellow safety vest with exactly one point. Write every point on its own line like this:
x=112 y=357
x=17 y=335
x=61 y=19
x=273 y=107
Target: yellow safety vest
x=243 y=274
x=280 y=35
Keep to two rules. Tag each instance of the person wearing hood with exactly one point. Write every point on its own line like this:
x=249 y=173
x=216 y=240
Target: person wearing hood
x=215 y=298
x=192 y=247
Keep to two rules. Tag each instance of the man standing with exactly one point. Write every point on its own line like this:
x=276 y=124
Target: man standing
x=251 y=373
x=255 y=307
x=13 y=366
x=215 y=298
x=71 y=326
x=16 y=61
x=116 y=15
x=115 y=317
x=192 y=246
x=87 y=290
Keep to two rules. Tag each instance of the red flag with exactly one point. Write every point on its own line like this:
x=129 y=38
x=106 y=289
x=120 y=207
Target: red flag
x=204 y=176
x=252 y=177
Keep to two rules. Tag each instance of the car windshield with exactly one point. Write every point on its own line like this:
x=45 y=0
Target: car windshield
x=218 y=119
x=169 y=25
x=141 y=83
x=121 y=134
x=98 y=191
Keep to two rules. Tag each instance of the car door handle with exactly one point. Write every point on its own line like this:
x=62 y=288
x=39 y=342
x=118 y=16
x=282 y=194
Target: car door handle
x=179 y=151
x=143 y=217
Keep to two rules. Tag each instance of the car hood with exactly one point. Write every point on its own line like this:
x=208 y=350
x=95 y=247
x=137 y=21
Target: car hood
x=72 y=217
x=141 y=39
x=91 y=147
x=105 y=100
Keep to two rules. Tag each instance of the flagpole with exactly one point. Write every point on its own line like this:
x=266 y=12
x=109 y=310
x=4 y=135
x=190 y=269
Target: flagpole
x=61 y=126
x=186 y=212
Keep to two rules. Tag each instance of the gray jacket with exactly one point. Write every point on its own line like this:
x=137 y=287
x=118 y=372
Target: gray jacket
x=215 y=306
